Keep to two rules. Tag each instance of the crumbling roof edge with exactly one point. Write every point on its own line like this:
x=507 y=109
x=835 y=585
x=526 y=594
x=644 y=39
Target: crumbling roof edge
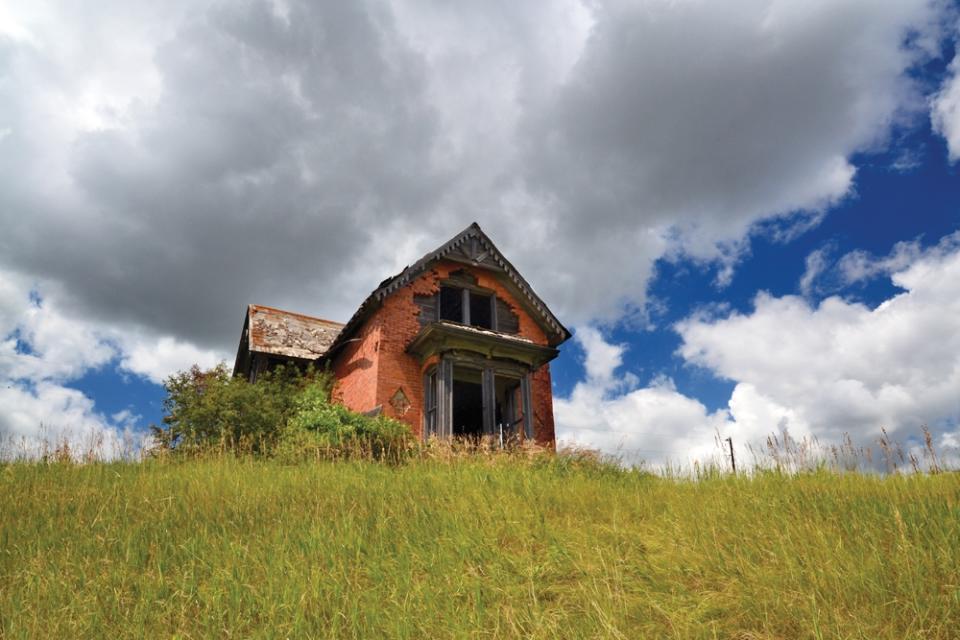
x=252 y=307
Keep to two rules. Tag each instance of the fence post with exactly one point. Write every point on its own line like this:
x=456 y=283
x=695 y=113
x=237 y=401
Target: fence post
x=733 y=461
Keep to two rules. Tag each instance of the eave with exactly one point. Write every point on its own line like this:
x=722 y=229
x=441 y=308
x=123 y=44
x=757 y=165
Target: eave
x=442 y=336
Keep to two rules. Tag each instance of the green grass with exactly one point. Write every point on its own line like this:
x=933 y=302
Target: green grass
x=478 y=547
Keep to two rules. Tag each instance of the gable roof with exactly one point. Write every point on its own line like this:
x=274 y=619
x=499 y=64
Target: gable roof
x=292 y=335
x=472 y=247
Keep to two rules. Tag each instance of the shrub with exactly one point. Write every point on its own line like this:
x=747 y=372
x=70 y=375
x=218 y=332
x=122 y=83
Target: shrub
x=321 y=428
x=286 y=412
x=212 y=408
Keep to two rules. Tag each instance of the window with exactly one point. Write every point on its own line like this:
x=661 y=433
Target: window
x=451 y=304
x=480 y=310
x=465 y=396
x=466 y=306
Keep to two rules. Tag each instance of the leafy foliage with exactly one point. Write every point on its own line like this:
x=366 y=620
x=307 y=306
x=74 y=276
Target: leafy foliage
x=286 y=412
x=322 y=428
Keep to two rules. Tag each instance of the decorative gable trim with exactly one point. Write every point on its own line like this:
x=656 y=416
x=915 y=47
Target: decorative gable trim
x=472 y=247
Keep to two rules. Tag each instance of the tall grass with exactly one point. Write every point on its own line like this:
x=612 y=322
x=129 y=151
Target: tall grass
x=481 y=546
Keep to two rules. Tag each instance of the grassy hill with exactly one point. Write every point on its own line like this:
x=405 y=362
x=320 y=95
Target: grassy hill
x=483 y=547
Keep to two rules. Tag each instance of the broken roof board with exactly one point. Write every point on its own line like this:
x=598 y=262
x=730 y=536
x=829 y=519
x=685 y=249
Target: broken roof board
x=292 y=335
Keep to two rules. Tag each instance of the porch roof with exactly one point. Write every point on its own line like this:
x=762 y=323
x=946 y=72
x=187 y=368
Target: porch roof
x=445 y=336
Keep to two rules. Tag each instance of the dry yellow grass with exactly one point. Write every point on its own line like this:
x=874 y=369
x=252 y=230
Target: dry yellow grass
x=472 y=546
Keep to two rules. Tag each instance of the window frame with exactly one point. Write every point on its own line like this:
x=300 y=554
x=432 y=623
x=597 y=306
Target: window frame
x=438 y=394
x=431 y=421
x=467 y=293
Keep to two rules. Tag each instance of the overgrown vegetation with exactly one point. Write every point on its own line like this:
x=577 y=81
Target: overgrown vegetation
x=287 y=413
x=474 y=545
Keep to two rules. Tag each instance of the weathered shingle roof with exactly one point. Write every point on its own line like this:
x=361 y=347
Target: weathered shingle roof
x=293 y=335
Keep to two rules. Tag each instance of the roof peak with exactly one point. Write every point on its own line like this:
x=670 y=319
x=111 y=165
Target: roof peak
x=490 y=257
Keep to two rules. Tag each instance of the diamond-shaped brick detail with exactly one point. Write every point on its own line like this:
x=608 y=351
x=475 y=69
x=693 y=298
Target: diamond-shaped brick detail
x=400 y=402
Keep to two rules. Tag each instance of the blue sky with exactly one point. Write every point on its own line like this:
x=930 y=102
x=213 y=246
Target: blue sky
x=748 y=213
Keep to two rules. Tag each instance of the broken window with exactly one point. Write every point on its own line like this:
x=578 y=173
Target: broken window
x=509 y=407
x=469 y=399
x=451 y=304
x=466 y=306
x=467 y=402
x=480 y=310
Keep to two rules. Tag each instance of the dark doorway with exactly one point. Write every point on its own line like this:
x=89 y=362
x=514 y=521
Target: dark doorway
x=509 y=412
x=467 y=403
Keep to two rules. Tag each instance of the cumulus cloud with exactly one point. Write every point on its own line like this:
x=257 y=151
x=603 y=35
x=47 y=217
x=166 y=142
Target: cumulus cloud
x=840 y=366
x=945 y=110
x=611 y=412
x=826 y=273
x=168 y=163
x=171 y=163
x=816 y=372
x=689 y=122
x=43 y=348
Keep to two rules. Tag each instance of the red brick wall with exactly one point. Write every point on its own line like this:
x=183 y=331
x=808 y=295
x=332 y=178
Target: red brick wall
x=355 y=369
x=542 y=392
x=385 y=336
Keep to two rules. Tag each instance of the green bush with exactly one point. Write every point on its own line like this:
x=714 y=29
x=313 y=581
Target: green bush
x=287 y=412
x=322 y=428
x=206 y=409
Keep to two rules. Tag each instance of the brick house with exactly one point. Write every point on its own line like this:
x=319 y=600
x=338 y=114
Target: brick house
x=457 y=344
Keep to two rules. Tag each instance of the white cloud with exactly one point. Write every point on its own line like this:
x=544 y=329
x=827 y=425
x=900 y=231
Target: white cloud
x=213 y=154
x=43 y=347
x=608 y=411
x=945 y=110
x=859 y=266
x=815 y=372
x=840 y=366
x=816 y=263
x=825 y=273
x=39 y=342
x=157 y=358
x=695 y=144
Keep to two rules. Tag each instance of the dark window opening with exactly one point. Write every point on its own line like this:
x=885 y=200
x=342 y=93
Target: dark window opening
x=451 y=304
x=467 y=403
x=509 y=410
x=466 y=306
x=473 y=400
x=480 y=311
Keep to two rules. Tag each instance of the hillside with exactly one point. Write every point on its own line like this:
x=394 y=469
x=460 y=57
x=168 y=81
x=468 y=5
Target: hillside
x=481 y=547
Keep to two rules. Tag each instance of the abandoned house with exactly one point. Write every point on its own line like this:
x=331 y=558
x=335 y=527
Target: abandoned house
x=457 y=344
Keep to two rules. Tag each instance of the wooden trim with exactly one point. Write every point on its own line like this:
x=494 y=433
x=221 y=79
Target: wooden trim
x=443 y=337
x=489 y=401
x=431 y=398
x=465 y=315
x=445 y=399
x=527 y=399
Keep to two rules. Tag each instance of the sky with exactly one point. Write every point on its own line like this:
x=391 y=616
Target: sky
x=747 y=212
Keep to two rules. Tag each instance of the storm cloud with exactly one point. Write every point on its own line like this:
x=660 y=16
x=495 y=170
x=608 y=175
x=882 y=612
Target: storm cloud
x=163 y=165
